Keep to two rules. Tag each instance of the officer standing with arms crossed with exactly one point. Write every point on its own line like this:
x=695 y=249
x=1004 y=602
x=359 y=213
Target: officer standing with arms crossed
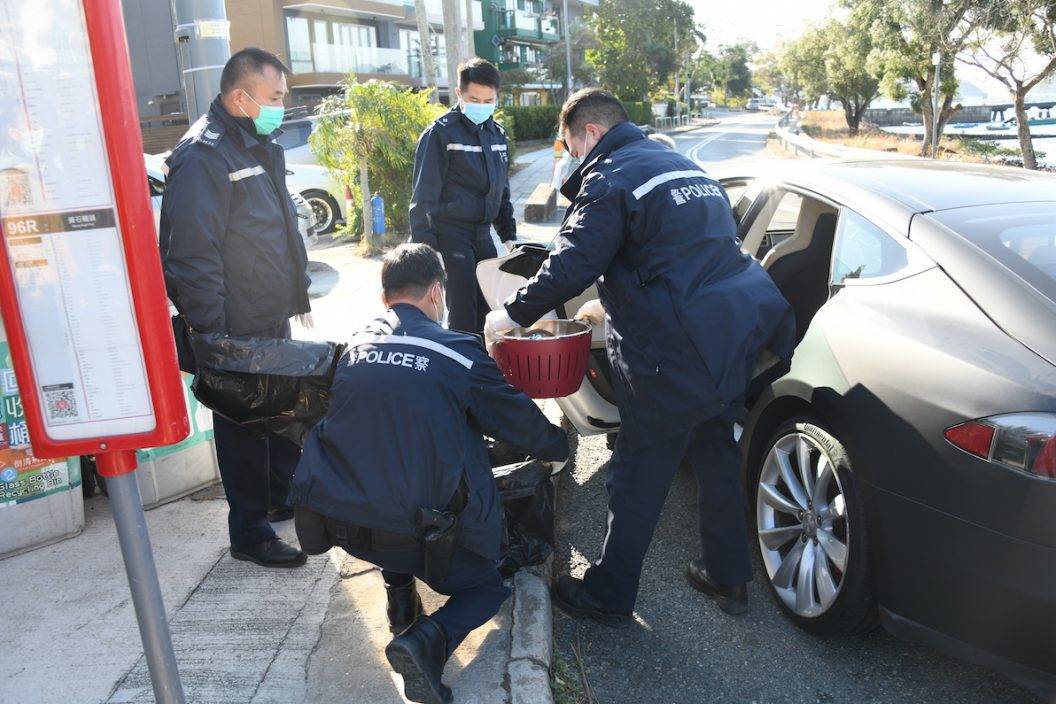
x=687 y=315
x=235 y=263
x=462 y=188
x=397 y=473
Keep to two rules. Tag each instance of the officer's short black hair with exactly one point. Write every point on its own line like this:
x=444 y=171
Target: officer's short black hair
x=478 y=70
x=591 y=105
x=410 y=269
x=248 y=62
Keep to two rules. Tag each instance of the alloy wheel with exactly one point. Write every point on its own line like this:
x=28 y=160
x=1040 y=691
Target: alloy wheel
x=801 y=517
x=324 y=213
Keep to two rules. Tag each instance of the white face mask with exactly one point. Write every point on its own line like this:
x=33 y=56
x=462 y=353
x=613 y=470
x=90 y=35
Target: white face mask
x=442 y=312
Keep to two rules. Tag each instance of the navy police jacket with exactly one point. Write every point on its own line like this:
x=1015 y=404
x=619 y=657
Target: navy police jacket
x=688 y=312
x=233 y=257
x=409 y=404
x=461 y=180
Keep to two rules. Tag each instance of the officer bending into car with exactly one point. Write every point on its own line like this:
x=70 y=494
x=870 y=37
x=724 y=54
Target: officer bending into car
x=688 y=314
x=235 y=264
x=461 y=188
x=397 y=473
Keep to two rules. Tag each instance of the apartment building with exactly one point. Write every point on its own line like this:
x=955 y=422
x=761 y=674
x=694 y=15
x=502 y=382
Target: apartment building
x=323 y=41
x=520 y=34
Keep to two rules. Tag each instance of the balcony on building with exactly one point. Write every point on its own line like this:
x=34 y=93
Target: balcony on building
x=434 y=10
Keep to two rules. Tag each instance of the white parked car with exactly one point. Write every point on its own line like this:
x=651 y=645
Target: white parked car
x=157 y=171
x=324 y=195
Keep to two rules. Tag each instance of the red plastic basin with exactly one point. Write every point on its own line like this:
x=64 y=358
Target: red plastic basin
x=547 y=360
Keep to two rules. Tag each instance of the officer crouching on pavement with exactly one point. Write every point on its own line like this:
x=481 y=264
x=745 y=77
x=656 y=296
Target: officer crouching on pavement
x=397 y=473
x=462 y=188
x=688 y=313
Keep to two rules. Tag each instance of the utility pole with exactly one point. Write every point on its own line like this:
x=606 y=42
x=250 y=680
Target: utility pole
x=470 y=48
x=453 y=42
x=568 y=48
x=203 y=46
x=425 y=49
x=674 y=24
x=937 y=59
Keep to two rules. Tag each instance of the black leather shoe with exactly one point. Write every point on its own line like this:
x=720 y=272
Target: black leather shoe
x=571 y=596
x=404 y=606
x=278 y=515
x=731 y=599
x=419 y=655
x=270 y=553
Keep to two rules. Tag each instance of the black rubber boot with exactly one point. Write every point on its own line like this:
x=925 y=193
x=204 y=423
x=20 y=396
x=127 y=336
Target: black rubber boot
x=731 y=599
x=403 y=607
x=419 y=655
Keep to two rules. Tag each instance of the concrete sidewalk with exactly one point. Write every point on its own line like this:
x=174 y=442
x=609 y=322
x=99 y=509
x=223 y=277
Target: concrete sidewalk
x=242 y=633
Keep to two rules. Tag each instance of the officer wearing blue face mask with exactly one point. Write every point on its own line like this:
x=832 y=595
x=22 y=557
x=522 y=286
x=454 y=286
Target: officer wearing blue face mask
x=461 y=188
x=235 y=263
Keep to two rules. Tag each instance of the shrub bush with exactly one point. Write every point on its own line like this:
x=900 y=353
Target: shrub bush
x=380 y=121
x=532 y=121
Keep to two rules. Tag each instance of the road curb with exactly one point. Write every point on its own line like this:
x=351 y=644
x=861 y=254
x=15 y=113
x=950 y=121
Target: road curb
x=531 y=641
x=532 y=630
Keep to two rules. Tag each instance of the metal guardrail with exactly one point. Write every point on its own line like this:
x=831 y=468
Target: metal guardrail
x=792 y=140
x=670 y=123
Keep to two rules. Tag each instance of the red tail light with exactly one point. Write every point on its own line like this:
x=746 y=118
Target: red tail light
x=1045 y=465
x=974 y=437
x=1023 y=441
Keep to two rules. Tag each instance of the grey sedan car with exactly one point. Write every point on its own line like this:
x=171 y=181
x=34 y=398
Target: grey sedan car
x=903 y=471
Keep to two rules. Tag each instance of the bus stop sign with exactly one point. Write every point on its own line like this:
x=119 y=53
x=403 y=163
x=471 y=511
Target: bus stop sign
x=81 y=288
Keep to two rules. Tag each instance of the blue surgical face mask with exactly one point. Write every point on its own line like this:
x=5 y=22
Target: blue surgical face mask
x=478 y=113
x=269 y=119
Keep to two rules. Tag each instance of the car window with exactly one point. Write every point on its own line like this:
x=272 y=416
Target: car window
x=786 y=215
x=294 y=134
x=864 y=251
x=1022 y=236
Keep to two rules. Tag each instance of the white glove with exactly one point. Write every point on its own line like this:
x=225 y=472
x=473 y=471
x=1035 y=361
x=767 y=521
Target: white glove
x=556 y=467
x=306 y=321
x=592 y=312
x=497 y=322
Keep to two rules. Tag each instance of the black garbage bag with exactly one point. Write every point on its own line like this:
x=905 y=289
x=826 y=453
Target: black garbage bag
x=527 y=496
x=270 y=385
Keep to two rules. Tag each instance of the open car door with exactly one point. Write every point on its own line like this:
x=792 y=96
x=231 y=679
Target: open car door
x=592 y=409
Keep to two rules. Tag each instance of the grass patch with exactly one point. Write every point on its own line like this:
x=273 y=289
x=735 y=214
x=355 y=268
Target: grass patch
x=565 y=683
x=830 y=126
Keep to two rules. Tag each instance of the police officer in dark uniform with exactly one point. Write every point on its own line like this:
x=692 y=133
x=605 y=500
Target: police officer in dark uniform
x=235 y=263
x=462 y=188
x=688 y=314
x=397 y=473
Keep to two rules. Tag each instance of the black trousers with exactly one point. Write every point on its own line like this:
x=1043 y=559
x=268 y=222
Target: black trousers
x=256 y=472
x=461 y=250
x=474 y=588
x=639 y=476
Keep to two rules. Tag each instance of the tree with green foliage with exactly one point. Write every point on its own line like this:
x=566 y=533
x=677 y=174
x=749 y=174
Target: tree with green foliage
x=847 y=74
x=1017 y=46
x=368 y=132
x=802 y=60
x=583 y=74
x=733 y=76
x=636 y=50
x=905 y=35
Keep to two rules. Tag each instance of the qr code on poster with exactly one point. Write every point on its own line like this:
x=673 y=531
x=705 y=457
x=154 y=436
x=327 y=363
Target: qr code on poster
x=61 y=404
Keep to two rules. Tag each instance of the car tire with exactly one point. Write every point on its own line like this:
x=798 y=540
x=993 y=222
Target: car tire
x=325 y=208
x=817 y=590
